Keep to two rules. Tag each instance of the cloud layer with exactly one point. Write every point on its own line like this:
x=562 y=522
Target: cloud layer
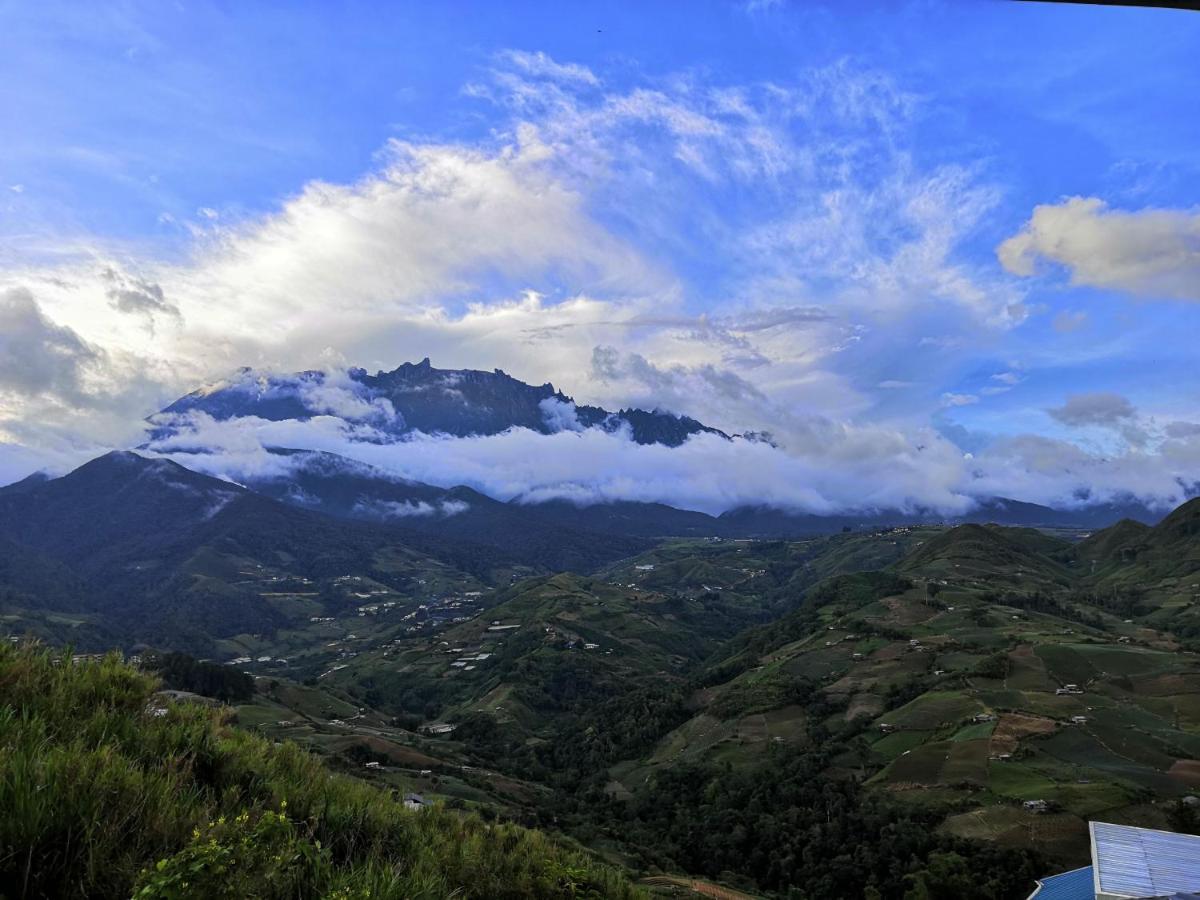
x=837 y=467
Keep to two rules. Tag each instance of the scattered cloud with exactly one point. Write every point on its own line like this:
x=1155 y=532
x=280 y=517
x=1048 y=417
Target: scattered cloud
x=1105 y=410
x=540 y=65
x=950 y=399
x=1102 y=410
x=838 y=468
x=1148 y=253
x=130 y=294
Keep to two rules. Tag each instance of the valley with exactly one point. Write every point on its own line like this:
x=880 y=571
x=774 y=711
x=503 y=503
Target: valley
x=986 y=689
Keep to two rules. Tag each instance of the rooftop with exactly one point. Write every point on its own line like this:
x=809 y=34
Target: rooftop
x=1074 y=885
x=1130 y=863
x=1142 y=862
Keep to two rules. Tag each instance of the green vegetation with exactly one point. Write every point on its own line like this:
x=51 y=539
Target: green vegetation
x=181 y=672
x=109 y=791
x=865 y=714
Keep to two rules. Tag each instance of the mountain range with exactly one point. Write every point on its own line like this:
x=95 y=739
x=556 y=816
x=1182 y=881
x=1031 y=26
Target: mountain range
x=418 y=399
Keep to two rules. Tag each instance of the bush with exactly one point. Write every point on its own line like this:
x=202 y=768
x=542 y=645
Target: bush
x=101 y=796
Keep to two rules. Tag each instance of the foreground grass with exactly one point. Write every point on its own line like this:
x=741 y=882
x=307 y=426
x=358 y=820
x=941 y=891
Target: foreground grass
x=104 y=795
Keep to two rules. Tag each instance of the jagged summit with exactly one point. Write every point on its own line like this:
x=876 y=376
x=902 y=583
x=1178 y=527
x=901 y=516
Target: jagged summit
x=418 y=397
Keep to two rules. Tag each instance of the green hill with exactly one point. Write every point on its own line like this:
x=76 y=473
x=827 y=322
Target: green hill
x=1113 y=546
x=108 y=789
x=993 y=554
x=1154 y=558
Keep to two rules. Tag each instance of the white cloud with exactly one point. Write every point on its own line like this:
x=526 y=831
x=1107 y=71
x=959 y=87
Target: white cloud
x=408 y=509
x=950 y=399
x=560 y=416
x=837 y=468
x=1061 y=474
x=540 y=65
x=1148 y=253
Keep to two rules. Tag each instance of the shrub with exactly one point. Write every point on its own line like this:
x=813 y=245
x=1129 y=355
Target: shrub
x=102 y=794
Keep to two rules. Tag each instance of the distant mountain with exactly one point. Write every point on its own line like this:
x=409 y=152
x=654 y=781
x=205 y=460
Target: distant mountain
x=347 y=489
x=418 y=397
x=765 y=521
x=1004 y=511
x=643 y=520
x=26 y=483
x=162 y=551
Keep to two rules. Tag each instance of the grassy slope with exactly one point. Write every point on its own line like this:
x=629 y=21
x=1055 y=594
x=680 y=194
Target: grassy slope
x=100 y=793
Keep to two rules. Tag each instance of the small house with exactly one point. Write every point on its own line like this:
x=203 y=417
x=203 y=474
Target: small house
x=414 y=801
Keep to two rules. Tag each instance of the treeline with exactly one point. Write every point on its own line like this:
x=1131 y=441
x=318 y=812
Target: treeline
x=785 y=825
x=1074 y=607
x=181 y=672
x=797 y=832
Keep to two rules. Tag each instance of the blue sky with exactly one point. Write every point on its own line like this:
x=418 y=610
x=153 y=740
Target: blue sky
x=938 y=220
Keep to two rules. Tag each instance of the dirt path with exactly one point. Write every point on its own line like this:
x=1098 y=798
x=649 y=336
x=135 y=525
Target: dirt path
x=696 y=886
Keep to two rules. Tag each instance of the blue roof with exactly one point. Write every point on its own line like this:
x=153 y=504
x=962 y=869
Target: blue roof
x=1141 y=862
x=1074 y=885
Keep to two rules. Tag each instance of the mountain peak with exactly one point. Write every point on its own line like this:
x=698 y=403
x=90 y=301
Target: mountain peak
x=416 y=397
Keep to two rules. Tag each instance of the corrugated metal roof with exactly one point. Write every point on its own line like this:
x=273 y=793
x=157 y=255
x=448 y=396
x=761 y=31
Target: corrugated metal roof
x=1141 y=862
x=1074 y=885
